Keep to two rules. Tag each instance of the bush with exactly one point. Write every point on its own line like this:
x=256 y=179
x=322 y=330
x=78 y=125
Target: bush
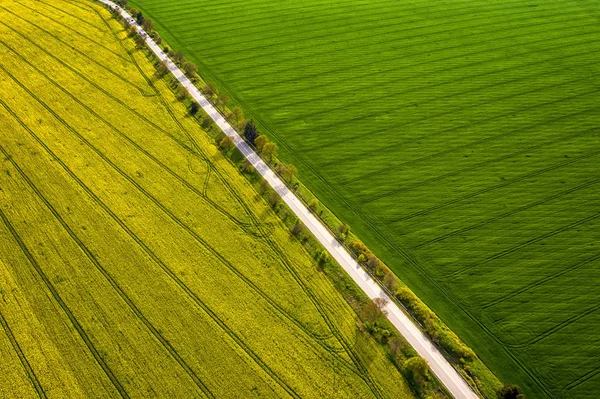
x=511 y=392
x=226 y=144
x=194 y=108
x=417 y=370
x=297 y=229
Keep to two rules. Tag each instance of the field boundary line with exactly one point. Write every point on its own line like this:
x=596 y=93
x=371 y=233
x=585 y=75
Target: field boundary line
x=445 y=372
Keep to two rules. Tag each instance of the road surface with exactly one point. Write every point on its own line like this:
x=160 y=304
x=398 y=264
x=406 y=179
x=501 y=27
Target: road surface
x=440 y=366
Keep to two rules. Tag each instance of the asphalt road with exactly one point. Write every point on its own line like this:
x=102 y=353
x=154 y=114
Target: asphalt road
x=440 y=366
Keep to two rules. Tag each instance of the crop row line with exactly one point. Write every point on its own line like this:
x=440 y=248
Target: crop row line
x=390 y=106
x=358 y=28
x=587 y=376
x=557 y=327
x=62 y=10
x=299 y=281
x=304 y=287
x=450 y=149
x=339 y=75
x=64 y=26
x=239 y=4
x=22 y=358
x=109 y=70
x=61 y=303
x=137 y=146
x=113 y=283
x=540 y=282
x=525 y=244
x=282 y=12
x=482 y=164
x=161 y=264
x=189 y=231
x=398 y=46
x=518 y=179
x=508 y=214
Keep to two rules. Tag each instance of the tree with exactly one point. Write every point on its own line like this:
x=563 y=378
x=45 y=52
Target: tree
x=139 y=18
x=223 y=100
x=189 y=69
x=139 y=41
x=322 y=258
x=182 y=93
x=269 y=151
x=194 y=108
x=511 y=392
x=226 y=144
x=260 y=142
x=250 y=132
x=210 y=90
x=390 y=281
x=177 y=56
x=161 y=70
x=273 y=198
x=287 y=172
x=381 y=303
x=371 y=312
x=236 y=114
x=297 y=229
x=313 y=204
x=418 y=370
x=148 y=25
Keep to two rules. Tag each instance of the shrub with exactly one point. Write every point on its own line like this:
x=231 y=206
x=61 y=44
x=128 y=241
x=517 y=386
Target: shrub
x=511 y=392
x=297 y=229
x=226 y=144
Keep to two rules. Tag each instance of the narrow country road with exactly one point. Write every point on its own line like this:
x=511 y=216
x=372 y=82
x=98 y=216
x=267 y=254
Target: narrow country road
x=444 y=371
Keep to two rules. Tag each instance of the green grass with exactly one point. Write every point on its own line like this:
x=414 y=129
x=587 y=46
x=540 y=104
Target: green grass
x=134 y=258
x=459 y=139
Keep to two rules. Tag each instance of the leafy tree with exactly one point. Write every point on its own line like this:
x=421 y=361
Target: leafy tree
x=313 y=204
x=322 y=258
x=182 y=93
x=297 y=229
x=210 y=90
x=177 y=56
x=161 y=70
x=148 y=25
x=260 y=142
x=511 y=392
x=418 y=370
x=226 y=144
x=273 y=198
x=223 y=100
x=250 y=132
x=287 y=172
x=139 y=41
x=189 y=69
x=194 y=108
x=390 y=281
x=236 y=114
x=269 y=151
x=372 y=312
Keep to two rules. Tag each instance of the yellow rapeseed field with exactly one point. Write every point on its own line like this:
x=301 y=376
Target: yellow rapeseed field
x=135 y=260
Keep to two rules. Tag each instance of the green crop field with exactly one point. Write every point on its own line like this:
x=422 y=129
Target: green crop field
x=135 y=260
x=459 y=139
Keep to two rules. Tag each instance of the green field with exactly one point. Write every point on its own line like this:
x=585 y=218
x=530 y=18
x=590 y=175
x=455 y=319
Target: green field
x=459 y=139
x=135 y=260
